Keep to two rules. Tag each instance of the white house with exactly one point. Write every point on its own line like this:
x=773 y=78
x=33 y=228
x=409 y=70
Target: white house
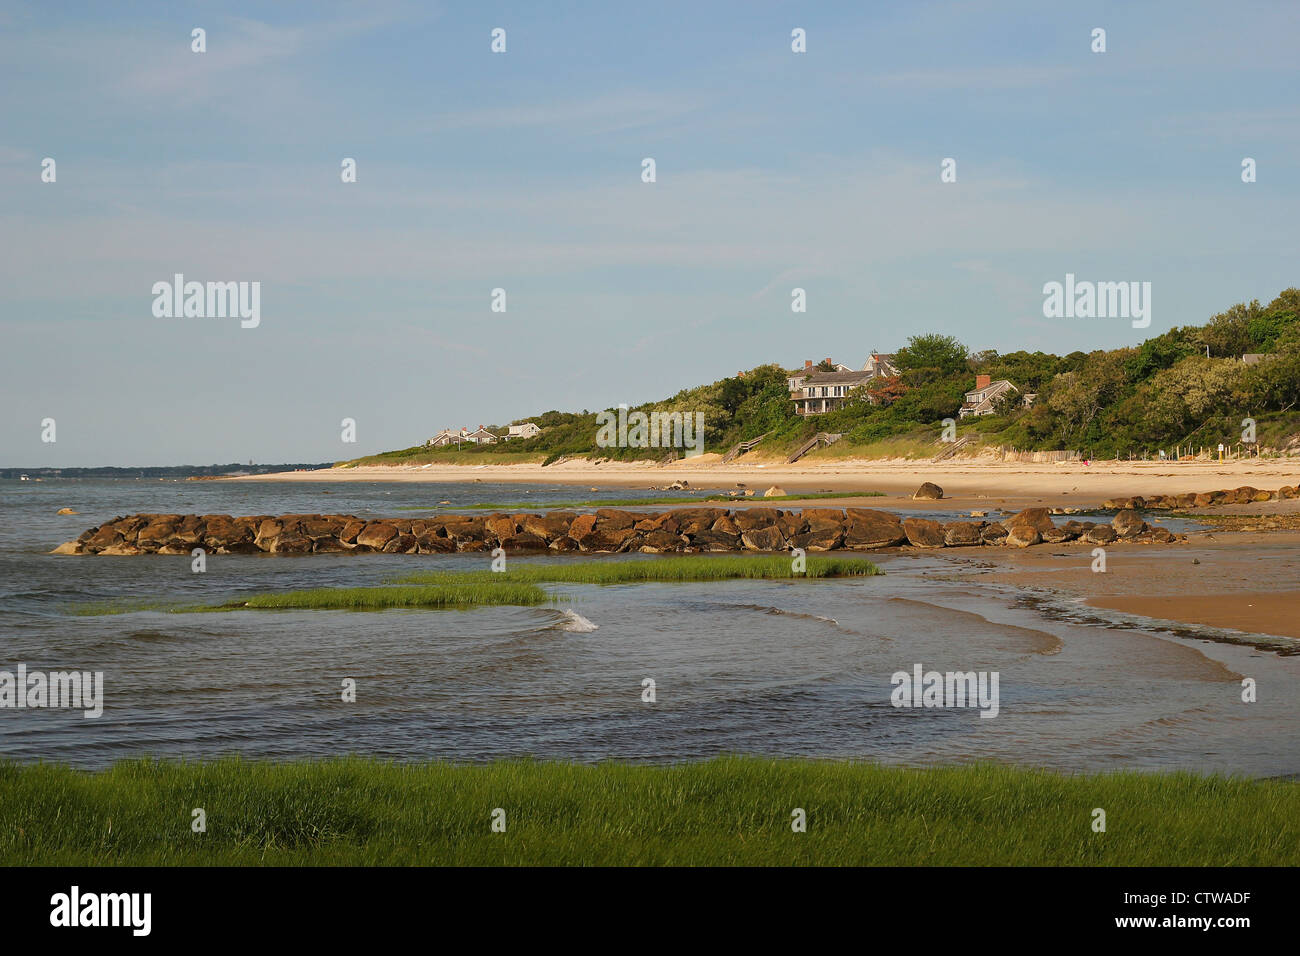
x=526 y=430
x=815 y=392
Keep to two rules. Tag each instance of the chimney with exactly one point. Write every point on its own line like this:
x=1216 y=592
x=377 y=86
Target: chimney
x=829 y=362
x=807 y=364
x=981 y=382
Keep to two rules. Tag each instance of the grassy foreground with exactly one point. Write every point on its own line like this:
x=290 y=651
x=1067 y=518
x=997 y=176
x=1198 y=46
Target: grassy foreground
x=726 y=811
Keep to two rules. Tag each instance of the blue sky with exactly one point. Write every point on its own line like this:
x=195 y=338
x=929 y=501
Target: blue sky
x=522 y=171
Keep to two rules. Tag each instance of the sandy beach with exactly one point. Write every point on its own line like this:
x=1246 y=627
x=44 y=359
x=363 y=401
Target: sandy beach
x=967 y=483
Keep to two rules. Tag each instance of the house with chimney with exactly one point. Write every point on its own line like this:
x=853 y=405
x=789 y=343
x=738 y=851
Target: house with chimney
x=818 y=389
x=985 y=397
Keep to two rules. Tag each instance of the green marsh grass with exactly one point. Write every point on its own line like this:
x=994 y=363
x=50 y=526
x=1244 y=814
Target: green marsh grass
x=517 y=586
x=663 y=569
x=727 y=811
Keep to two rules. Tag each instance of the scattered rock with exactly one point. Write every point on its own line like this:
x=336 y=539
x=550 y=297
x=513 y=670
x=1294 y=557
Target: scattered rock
x=776 y=491
x=928 y=490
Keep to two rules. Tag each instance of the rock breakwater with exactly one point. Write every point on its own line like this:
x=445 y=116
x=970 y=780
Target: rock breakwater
x=607 y=530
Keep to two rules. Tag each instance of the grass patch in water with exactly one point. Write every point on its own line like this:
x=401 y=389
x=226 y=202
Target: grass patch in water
x=723 y=812
x=518 y=586
x=460 y=591
x=664 y=569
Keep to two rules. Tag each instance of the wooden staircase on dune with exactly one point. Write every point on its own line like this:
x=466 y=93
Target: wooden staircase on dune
x=741 y=447
x=954 y=447
x=821 y=438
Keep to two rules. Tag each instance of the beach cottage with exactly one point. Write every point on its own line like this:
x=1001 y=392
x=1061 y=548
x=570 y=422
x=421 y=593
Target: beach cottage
x=982 y=400
x=526 y=430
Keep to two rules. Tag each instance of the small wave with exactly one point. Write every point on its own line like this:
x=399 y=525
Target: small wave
x=575 y=622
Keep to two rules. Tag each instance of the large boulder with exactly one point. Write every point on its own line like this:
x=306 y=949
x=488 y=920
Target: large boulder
x=376 y=535
x=823 y=519
x=962 y=534
x=659 y=541
x=867 y=529
x=993 y=533
x=923 y=533
x=750 y=519
x=928 y=490
x=501 y=526
x=1099 y=534
x=548 y=526
x=611 y=519
x=1026 y=527
x=1127 y=524
x=764 y=539
x=524 y=542
x=715 y=541
x=776 y=491
x=827 y=539
x=727 y=525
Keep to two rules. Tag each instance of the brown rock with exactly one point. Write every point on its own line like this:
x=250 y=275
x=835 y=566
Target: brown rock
x=867 y=528
x=1128 y=523
x=290 y=543
x=827 y=539
x=726 y=525
x=763 y=539
x=751 y=519
x=328 y=546
x=659 y=541
x=546 y=526
x=928 y=490
x=582 y=526
x=1026 y=527
x=401 y=543
x=611 y=519
x=376 y=535
x=1100 y=534
x=429 y=543
x=501 y=526
x=525 y=542
x=923 y=533
x=993 y=533
x=961 y=534
x=716 y=541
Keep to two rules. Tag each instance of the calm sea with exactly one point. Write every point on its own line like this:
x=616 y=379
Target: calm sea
x=797 y=668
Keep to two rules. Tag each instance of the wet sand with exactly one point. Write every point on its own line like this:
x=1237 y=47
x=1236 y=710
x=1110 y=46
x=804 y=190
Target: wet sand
x=1248 y=582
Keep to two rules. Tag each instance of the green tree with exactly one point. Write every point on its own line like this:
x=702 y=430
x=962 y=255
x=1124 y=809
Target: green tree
x=940 y=352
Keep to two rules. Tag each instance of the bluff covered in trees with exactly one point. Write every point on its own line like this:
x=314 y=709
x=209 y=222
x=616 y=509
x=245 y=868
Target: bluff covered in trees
x=1188 y=386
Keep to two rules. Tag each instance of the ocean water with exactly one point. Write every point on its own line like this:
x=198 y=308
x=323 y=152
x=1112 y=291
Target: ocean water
x=782 y=668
